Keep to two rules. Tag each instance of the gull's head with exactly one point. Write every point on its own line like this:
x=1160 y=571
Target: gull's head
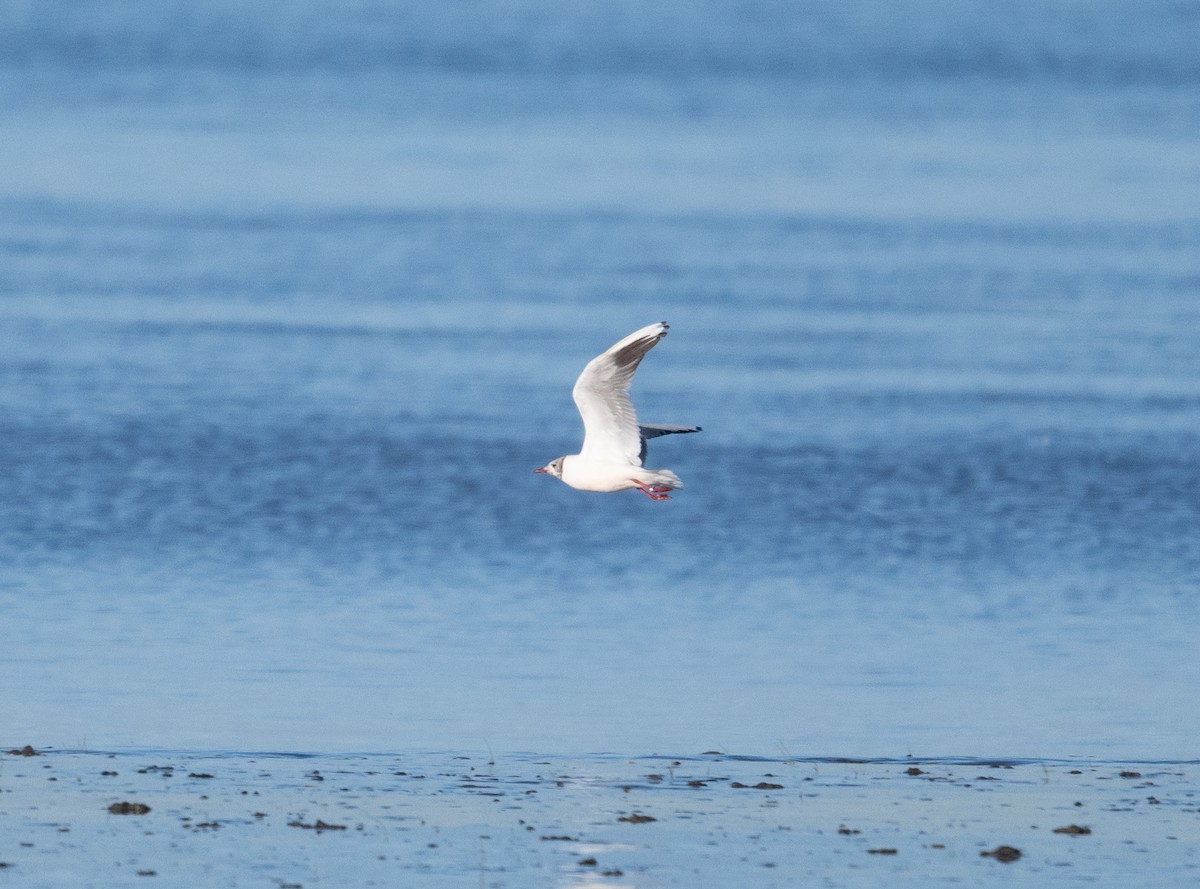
x=554 y=467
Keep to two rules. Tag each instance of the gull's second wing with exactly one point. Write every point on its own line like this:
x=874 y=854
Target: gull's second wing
x=610 y=426
x=654 y=430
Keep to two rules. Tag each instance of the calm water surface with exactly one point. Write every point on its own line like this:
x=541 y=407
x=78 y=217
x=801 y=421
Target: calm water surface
x=292 y=298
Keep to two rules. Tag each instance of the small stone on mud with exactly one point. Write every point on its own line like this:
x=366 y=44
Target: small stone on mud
x=319 y=825
x=127 y=808
x=637 y=818
x=888 y=851
x=27 y=750
x=587 y=862
x=913 y=770
x=1002 y=853
x=1073 y=830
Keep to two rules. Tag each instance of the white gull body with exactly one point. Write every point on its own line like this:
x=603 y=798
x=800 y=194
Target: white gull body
x=614 y=443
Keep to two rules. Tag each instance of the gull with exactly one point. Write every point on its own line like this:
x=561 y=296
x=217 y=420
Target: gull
x=614 y=442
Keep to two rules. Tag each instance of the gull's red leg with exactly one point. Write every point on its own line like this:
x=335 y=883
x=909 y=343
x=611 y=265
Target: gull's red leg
x=656 y=493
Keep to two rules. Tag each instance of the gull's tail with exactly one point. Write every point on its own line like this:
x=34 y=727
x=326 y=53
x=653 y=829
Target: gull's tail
x=661 y=477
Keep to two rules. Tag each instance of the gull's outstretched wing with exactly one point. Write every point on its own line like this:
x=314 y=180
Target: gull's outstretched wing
x=610 y=426
x=654 y=430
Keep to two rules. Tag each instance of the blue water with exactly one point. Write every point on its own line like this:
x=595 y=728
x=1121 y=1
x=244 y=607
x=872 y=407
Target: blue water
x=292 y=297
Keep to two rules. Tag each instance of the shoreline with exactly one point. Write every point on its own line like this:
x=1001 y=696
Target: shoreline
x=177 y=818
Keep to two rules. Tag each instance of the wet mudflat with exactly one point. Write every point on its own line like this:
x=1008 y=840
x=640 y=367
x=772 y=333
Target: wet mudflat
x=168 y=818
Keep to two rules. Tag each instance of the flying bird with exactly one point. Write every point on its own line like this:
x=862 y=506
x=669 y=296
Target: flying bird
x=614 y=442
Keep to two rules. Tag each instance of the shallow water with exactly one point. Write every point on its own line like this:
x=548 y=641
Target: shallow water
x=289 y=312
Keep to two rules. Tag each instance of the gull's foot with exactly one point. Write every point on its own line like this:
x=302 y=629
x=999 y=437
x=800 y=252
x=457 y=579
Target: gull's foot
x=657 y=492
